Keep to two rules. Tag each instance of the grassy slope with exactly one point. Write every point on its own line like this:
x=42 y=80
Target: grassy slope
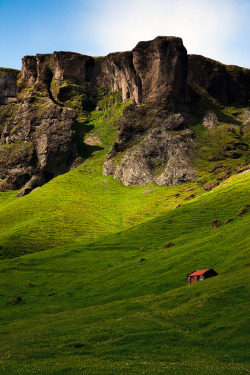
x=130 y=317
x=82 y=203
x=79 y=205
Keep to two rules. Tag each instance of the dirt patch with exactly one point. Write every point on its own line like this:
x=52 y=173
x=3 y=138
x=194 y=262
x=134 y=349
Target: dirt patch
x=169 y=244
x=141 y=260
x=16 y=299
x=78 y=346
x=216 y=223
x=210 y=185
x=241 y=212
x=92 y=140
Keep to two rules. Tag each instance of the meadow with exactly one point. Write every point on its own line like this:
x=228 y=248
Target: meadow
x=101 y=294
x=92 y=308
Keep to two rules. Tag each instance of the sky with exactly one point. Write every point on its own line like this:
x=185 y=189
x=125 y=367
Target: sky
x=218 y=29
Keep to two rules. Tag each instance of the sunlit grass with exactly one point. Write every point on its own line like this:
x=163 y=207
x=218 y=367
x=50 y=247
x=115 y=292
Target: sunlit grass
x=89 y=307
x=93 y=309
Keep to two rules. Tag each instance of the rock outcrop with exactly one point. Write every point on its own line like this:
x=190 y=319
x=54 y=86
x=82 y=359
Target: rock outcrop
x=225 y=83
x=8 y=86
x=210 y=120
x=153 y=70
x=37 y=143
x=153 y=145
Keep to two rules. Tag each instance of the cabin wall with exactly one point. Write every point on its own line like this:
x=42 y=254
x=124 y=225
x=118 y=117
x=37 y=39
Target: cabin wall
x=210 y=273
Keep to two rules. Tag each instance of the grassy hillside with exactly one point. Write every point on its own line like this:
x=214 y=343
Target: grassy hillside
x=79 y=205
x=94 y=309
x=72 y=250
x=83 y=204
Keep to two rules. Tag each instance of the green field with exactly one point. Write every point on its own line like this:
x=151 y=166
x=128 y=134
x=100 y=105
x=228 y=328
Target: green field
x=94 y=309
x=71 y=251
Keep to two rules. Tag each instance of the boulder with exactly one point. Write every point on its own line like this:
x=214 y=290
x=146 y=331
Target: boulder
x=17 y=299
x=210 y=120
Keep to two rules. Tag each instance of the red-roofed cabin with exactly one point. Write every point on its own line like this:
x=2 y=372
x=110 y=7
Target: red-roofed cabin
x=199 y=275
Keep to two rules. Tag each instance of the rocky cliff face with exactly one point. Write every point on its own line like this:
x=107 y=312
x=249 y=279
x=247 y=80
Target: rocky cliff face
x=225 y=83
x=155 y=143
x=154 y=70
x=37 y=143
x=8 y=87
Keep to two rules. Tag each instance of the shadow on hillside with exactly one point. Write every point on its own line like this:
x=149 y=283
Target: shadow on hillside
x=82 y=128
x=84 y=150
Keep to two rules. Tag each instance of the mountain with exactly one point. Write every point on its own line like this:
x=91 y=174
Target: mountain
x=166 y=92
x=121 y=175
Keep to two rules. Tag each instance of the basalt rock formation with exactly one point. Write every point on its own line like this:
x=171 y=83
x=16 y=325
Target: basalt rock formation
x=8 y=87
x=37 y=143
x=225 y=83
x=153 y=145
x=151 y=71
x=159 y=80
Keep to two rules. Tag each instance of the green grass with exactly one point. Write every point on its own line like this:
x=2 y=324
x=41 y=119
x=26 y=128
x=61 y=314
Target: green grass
x=81 y=204
x=129 y=317
x=148 y=335
x=93 y=308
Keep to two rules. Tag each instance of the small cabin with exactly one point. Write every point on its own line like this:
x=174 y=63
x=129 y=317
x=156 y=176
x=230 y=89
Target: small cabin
x=199 y=275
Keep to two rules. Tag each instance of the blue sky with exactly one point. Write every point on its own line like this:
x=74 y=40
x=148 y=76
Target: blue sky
x=219 y=29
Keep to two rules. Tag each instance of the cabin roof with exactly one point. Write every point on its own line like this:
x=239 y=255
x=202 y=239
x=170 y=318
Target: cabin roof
x=198 y=272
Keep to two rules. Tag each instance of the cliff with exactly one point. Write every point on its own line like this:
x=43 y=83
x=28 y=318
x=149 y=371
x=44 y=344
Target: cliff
x=167 y=92
x=225 y=83
x=8 y=86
